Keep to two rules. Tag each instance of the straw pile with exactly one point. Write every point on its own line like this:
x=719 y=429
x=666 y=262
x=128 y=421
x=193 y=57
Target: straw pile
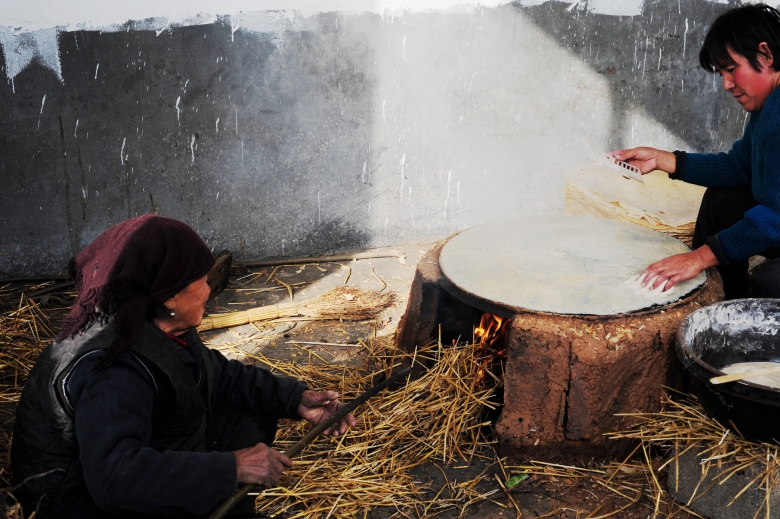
x=668 y=206
x=24 y=332
x=347 y=303
x=435 y=417
x=26 y=328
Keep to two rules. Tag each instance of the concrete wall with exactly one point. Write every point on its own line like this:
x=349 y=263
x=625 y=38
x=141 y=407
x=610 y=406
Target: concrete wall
x=332 y=129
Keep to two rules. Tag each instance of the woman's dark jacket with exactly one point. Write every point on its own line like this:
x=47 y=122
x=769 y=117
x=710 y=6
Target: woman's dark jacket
x=130 y=439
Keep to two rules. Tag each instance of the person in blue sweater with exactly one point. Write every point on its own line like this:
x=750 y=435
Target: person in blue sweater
x=740 y=212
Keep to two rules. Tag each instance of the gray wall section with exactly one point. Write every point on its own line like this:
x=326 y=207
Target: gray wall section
x=359 y=131
x=688 y=101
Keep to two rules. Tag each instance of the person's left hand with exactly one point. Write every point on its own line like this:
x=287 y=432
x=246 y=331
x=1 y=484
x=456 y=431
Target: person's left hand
x=317 y=406
x=678 y=268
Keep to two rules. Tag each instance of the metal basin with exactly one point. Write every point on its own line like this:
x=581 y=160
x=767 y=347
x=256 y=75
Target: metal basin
x=713 y=337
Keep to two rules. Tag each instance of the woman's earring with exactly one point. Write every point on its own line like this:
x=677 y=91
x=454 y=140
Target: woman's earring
x=172 y=314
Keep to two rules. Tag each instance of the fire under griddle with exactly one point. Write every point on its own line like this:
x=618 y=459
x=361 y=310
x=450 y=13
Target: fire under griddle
x=570 y=369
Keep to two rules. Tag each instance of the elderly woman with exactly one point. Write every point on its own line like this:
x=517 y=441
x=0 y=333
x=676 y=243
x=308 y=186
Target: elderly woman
x=127 y=413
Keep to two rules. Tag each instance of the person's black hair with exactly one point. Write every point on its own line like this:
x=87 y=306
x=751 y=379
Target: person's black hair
x=741 y=30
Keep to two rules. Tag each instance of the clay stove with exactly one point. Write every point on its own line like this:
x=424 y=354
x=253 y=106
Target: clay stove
x=581 y=346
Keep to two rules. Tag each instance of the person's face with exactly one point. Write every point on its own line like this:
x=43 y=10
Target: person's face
x=188 y=306
x=749 y=87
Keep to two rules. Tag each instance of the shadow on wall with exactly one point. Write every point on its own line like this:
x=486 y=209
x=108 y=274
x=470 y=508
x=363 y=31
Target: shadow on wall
x=651 y=63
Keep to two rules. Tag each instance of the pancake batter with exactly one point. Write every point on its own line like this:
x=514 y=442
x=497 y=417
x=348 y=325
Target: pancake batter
x=772 y=381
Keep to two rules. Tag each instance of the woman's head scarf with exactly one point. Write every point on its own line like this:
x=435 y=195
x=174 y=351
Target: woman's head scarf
x=130 y=270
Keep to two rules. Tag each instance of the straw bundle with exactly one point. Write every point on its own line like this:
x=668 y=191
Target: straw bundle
x=348 y=303
x=434 y=418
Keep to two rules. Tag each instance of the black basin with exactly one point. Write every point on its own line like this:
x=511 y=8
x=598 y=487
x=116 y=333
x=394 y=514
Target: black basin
x=741 y=330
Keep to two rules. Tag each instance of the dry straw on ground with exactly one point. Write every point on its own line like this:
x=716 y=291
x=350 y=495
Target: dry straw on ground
x=25 y=330
x=682 y=425
x=435 y=417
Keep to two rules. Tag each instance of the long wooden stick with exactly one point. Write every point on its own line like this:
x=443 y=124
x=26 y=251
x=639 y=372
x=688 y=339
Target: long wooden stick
x=243 y=490
x=320 y=259
x=747 y=374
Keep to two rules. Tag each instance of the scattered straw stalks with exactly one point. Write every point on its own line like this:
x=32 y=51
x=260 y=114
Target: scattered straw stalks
x=435 y=417
x=683 y=426
x=26 y=328
x=625 y=489
x=24 y=332
x=347 y=303
x=435 y=420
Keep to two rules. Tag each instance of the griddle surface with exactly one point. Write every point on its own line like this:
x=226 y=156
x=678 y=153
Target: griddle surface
x=558 y=264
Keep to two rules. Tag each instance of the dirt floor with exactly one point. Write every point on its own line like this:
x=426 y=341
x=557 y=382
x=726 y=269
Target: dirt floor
x=32 y=311
x=546 y=496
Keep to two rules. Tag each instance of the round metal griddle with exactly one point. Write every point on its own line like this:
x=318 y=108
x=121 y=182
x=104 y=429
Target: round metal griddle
x=557 y=264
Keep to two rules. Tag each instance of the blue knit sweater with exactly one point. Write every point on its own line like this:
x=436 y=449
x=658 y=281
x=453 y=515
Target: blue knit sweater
x=753 y=161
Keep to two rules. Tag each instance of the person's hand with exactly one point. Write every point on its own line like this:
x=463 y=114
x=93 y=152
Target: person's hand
x=317 y=406
x=678 y=268
x=260 y=465
x=647 y=159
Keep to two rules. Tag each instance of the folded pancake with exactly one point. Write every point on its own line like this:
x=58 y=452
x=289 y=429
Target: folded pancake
x=662 y=204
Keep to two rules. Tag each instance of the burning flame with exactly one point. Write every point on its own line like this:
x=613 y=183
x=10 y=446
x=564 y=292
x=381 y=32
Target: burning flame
x=489 y=330
x=490 y=337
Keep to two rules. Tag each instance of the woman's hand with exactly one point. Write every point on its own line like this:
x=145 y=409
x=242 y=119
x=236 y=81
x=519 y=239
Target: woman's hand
x=260 y=465
x=678 y=268
x=317 y=406
x=647 y=159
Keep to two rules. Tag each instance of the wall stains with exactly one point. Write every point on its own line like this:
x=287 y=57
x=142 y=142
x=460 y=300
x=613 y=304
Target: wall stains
x=287 y=134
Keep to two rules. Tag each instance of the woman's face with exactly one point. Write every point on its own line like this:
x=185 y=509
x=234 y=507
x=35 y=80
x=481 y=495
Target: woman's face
x=187 y=306
x=749 y=87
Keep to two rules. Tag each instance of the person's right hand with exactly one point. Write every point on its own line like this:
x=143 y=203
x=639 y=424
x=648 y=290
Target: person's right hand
x=260 y=465
x=647 y=159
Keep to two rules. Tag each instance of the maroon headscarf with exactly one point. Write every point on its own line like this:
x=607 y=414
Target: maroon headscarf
x=130 y=269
